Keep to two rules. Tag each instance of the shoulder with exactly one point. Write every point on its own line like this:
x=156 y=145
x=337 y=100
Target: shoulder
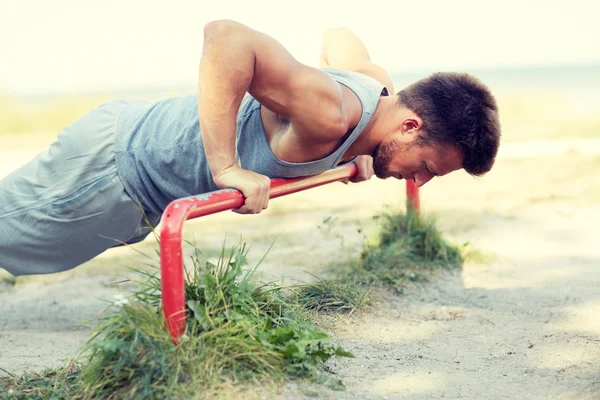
x=369 y=75
x=380 y=75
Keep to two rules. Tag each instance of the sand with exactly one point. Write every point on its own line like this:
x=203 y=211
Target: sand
x=524 y=325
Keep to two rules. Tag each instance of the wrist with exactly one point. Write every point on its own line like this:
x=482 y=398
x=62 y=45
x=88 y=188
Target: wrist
x=218 y=172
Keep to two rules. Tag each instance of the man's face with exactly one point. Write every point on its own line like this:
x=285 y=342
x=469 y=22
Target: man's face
x=402 y=157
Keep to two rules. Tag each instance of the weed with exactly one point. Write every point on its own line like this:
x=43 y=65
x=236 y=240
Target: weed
x=60 y=383
x=239 y=331
x=332 y=296
x=407 y=249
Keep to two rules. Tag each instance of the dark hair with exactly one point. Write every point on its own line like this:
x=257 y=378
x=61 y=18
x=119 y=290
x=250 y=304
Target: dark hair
x=457 y=109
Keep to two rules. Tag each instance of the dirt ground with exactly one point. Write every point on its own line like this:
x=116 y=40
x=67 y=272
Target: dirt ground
x=522 y=325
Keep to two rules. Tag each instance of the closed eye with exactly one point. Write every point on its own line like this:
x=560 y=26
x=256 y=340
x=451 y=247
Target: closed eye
x=430 y=171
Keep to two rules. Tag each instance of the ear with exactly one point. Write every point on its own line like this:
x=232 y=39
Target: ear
x=412 y=124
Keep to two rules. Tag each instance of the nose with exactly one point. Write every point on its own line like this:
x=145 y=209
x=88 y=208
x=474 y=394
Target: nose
x=421 y=179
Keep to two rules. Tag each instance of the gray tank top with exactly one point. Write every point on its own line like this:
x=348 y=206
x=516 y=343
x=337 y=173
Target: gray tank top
x=160 y=156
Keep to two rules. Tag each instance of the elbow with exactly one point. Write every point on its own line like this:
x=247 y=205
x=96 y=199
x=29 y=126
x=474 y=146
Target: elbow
x=227 y=36
x=220 y=29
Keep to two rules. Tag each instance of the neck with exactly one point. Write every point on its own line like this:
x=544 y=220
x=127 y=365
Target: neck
x=381 y=123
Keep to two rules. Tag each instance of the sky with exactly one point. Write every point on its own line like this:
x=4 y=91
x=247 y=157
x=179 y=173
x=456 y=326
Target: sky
x=62 y=46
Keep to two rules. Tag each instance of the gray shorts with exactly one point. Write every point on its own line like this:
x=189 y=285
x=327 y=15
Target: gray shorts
x=68 y=204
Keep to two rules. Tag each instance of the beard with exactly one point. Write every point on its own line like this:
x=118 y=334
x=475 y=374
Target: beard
x=384 y=154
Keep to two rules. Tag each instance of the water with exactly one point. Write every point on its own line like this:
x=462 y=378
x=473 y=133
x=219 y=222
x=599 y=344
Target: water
x=581 y=79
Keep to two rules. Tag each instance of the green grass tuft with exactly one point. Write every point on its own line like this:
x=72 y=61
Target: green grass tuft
x=60 y=383
x=239 y=331
x=408 y=248
x=332 y=296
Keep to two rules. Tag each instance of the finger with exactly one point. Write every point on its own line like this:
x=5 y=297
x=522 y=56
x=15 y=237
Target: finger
x=267 y=196
x=257 y=203
x=250 y=203
x=256 y=198
x=368 y=168
x=362 y=174
x=266 y=193
x=365 y=169
x=241 y=210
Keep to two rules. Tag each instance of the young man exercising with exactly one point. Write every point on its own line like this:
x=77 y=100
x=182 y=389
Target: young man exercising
x=258 y=114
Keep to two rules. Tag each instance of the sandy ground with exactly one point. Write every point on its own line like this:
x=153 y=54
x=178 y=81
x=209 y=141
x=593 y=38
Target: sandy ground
x=524 y=325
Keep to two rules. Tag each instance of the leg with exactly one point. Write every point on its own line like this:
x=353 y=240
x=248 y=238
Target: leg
x=67 y=205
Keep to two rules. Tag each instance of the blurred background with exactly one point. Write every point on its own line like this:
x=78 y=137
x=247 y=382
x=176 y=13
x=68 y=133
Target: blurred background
x=531 y=218
x=61 y=58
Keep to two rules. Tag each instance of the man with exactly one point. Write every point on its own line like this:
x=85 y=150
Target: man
x=258 y=113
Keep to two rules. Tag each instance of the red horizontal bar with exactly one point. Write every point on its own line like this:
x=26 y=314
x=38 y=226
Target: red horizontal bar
x=180 y=210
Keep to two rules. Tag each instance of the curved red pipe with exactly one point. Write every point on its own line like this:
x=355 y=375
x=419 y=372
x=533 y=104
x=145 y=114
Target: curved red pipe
x=180 y=210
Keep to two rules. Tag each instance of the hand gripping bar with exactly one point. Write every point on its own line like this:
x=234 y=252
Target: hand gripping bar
x=180 y=210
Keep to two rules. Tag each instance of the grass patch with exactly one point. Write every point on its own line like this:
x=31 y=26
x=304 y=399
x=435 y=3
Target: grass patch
x=239 y=331
x=332 y=296
x=61 y=383
x=407 y=248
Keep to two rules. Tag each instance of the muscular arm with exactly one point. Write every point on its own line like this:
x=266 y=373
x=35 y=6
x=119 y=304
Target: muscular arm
x=342 y=49
x=236 y=60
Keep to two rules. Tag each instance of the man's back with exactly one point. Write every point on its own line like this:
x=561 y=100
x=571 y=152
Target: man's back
x=160 y=153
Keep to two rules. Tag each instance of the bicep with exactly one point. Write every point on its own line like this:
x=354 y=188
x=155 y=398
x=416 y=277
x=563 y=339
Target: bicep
x=306 y=96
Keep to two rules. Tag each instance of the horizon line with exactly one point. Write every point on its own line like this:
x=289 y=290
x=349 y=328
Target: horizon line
x=141 y=88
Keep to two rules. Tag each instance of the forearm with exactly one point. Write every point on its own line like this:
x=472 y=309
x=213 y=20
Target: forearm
x=226 y=72
x=342 y=49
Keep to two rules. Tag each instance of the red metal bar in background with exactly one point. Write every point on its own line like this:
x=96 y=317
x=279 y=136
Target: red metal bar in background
x=178 y=211
x=412 y=195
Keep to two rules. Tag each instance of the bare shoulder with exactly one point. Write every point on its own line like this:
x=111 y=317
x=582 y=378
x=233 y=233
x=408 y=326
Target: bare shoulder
x=293 y=140
x=379 y=73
